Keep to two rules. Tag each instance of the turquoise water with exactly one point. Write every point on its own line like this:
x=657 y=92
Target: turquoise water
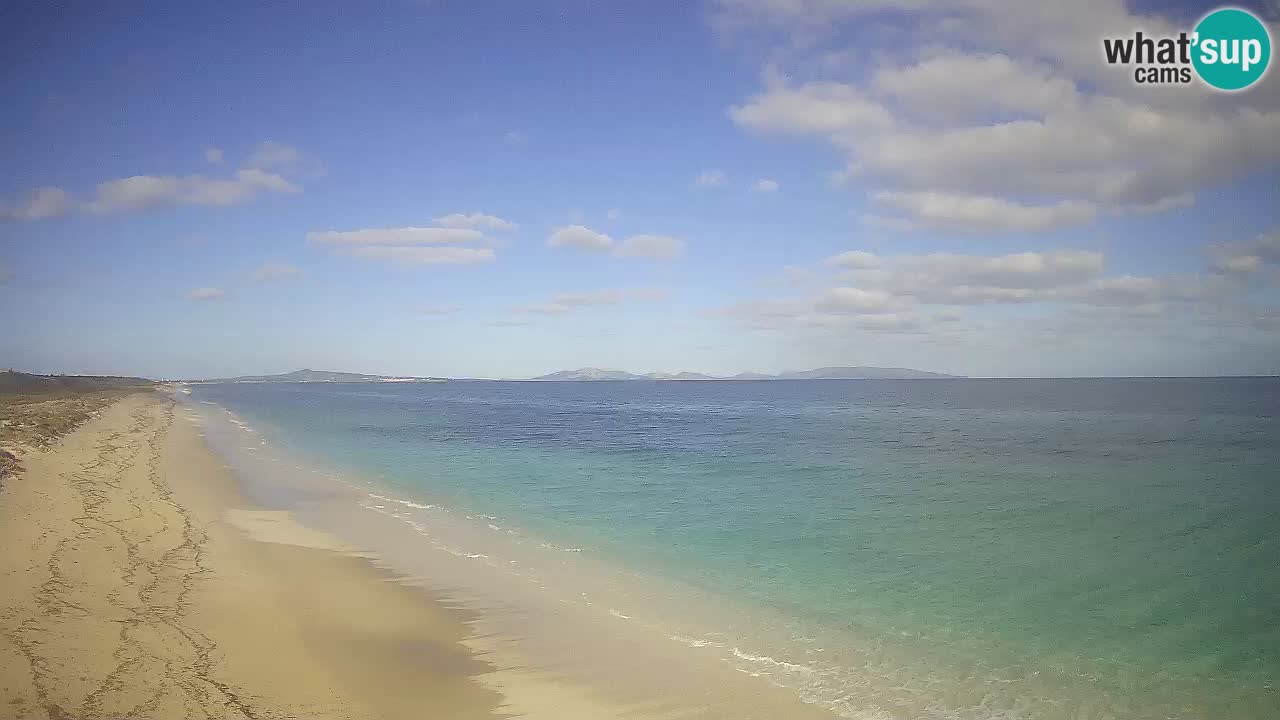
x=983 y=548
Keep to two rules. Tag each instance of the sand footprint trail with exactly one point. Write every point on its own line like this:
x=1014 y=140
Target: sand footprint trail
x=127 y=590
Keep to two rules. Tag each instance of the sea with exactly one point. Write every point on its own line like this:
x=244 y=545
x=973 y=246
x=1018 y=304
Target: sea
x=950 y=549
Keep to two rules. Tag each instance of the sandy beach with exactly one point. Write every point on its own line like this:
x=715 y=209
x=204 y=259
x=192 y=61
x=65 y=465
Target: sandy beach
x=136 y=582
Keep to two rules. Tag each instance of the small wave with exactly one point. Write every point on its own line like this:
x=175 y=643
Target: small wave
x=557 y=548
x=766 y=660
x=695 y=642
x=425 y=534
x=398 y=501
x=617 y=614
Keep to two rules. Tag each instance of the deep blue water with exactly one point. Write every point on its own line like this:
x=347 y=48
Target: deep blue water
x=1116 y=540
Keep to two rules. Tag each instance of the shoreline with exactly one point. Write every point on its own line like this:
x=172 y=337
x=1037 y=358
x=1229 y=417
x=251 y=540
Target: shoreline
x=126 y=590
x=143 y=580
x=554 y=653
x=165 y=558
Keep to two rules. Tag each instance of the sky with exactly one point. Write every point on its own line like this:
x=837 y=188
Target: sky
x=502 y=189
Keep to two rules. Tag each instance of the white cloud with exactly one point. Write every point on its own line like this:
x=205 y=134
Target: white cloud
x=579 y=237
x=1119 y=291
x=411 y=246
x=792 y=276
x=854 y=260
x=437 y=309
x=837 y=310
x=435 y=255
x=654 y=247
x=1239 y=263
x=563 y=303
x=1106 y=150
x=919 y=295
x=875 y=285
x=1164 y=204
x=284 y=159
x=765 y=185
x=1149 y=292
x=643 y=246
x=958 y=87
x=710 y=179
x=515 y=137
x=268 y=170
x=975 y=213
x=265 y=180
x=396 y=236
x=1248 y=256
x=39 y=204
x=828 y=109
x=891 y=323
x=945 y=278
x=1267 y=245
x=896 y=294
x=1006 y=101
x=206 y=293
x=149 y=191
x=276 y=271
x=140 y=191
x=857 y=300
x=475 y=220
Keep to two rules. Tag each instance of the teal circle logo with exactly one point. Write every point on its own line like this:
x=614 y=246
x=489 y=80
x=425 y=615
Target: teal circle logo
x=1231 y=49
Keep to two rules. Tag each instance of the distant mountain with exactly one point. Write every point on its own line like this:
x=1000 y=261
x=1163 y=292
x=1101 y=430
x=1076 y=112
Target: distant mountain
x=589 y=374
x=861 y=373
x=752 y=376
x=827 y=373
x=679 y=376
x=314 y=376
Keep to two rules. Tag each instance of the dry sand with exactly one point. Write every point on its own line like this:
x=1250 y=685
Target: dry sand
x=136 y=582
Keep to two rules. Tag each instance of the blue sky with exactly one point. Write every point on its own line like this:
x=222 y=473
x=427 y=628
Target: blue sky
x=507 y=189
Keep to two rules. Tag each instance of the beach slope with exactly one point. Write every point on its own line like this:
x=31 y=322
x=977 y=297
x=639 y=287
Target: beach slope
x=135 y=581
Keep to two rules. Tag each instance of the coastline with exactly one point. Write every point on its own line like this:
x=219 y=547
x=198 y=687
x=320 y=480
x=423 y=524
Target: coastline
x=141 y=579
x=126 y=590
x=172 y=558
x=558 y=627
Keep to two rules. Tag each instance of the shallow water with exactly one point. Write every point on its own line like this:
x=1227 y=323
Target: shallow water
x=900 y=549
